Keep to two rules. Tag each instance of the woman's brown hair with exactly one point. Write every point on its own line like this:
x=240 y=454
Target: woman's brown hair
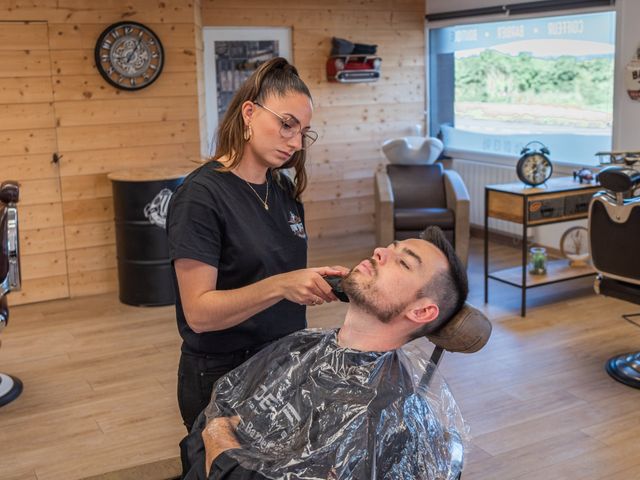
x=275 y=77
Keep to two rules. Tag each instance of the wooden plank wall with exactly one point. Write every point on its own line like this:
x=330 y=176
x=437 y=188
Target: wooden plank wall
x=352 y=119
x=98 y=128
x=27 y=142
x=202 y=108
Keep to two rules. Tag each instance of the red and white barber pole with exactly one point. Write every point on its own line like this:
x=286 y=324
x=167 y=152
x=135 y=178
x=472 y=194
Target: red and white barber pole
x=632 y=77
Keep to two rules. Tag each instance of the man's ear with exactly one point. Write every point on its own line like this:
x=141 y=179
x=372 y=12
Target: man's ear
x=422 y=311
x=247 y=111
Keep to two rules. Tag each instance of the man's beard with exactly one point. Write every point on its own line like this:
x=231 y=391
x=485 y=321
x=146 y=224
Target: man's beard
x=366 y=295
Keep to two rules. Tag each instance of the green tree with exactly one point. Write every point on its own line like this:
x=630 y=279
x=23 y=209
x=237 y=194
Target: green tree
x=494 y=77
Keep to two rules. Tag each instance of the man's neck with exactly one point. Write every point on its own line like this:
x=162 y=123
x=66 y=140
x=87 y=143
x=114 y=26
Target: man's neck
x=363 y=331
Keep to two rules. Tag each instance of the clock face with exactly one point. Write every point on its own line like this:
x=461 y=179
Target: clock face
x=534 y=168
x=129 y=55
x=575 y=241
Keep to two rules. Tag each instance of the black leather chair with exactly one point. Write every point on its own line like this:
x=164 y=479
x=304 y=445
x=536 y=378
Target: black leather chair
x=467 y=332
x=409 y=198
x=10 y=387
x=614 y=230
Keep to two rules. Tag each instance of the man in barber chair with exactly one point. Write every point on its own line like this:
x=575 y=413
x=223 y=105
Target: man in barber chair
x=351 y=403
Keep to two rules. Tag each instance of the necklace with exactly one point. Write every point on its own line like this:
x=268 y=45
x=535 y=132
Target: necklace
x=266 y=197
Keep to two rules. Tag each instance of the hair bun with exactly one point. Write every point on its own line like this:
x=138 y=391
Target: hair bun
x=281 y=63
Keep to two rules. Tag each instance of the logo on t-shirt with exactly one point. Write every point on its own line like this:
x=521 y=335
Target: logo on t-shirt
x=295 y=223
x=156 y=209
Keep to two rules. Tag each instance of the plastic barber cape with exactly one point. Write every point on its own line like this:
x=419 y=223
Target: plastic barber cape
x=310 y=409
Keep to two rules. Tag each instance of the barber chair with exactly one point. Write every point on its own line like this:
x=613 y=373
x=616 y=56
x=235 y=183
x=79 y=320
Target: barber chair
x=410 y=197
x=10 y=387
x=614 y=229
x=467 y=332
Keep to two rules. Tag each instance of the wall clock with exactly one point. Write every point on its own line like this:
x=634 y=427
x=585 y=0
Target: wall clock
x=534 y=166
x=129 y=55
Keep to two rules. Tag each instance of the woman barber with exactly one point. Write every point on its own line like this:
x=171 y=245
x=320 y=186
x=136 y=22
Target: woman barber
x=237 y=237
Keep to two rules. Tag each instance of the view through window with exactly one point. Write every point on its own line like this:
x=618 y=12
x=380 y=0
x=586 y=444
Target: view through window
x=493 y=87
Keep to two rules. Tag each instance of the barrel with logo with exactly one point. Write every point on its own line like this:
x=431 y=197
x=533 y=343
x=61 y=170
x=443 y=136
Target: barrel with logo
x=140 y=200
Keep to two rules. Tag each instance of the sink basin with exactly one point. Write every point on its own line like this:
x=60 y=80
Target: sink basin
x=412 y=150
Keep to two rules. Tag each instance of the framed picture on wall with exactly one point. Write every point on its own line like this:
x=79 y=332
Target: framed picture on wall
x=231 y=55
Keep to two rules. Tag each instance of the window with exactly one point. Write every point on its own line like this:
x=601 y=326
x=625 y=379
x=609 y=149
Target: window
x=493 y=87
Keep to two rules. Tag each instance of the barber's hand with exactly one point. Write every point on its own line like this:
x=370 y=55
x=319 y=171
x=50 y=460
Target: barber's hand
x=219 y=436
x=343 y=270
x=306 y=286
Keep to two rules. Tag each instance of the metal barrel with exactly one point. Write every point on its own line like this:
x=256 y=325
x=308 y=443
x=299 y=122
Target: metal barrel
x=140 y=199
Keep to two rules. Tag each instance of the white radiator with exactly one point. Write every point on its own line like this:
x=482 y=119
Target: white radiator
x=478 y=174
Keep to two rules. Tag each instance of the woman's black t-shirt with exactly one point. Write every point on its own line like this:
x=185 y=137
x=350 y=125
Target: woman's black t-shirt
x=214 y=217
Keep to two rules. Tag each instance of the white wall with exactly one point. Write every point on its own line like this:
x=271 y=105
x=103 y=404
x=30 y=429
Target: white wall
x=626 y=112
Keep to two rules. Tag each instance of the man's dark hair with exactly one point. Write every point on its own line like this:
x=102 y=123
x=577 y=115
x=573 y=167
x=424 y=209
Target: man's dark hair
x=449 y=289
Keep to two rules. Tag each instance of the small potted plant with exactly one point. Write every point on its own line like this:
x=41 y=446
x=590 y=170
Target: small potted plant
x=538 y=261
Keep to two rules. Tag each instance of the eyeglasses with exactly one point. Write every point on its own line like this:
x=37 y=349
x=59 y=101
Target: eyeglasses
x=291 y=127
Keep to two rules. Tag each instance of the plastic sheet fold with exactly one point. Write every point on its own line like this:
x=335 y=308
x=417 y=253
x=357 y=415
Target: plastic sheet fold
x=310 y=409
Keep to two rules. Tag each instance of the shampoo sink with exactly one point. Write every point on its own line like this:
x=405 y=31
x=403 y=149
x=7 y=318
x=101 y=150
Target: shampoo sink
x=412 y=150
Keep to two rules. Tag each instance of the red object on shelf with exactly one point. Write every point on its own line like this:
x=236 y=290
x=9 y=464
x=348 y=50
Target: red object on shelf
x=353 y=68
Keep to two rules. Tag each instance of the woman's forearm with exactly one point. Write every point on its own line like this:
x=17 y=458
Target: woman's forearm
x=221 y=309
x=207 y=309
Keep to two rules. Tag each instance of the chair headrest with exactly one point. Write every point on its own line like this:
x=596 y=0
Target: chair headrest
x=9 y=192
x=467 y=332
x=619 y=179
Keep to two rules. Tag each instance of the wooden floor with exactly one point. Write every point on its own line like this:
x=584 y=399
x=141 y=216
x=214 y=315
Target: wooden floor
x=100 y=383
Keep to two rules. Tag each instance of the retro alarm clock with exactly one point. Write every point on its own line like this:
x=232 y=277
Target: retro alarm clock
x=534 y=167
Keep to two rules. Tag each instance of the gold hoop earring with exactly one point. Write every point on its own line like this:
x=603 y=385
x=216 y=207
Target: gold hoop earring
x=248 y=133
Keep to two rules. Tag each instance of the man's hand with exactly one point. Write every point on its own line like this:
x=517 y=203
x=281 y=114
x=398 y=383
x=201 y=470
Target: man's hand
x=219 y=436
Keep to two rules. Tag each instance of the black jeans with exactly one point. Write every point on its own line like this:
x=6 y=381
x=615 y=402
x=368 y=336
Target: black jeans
x=196 y=376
